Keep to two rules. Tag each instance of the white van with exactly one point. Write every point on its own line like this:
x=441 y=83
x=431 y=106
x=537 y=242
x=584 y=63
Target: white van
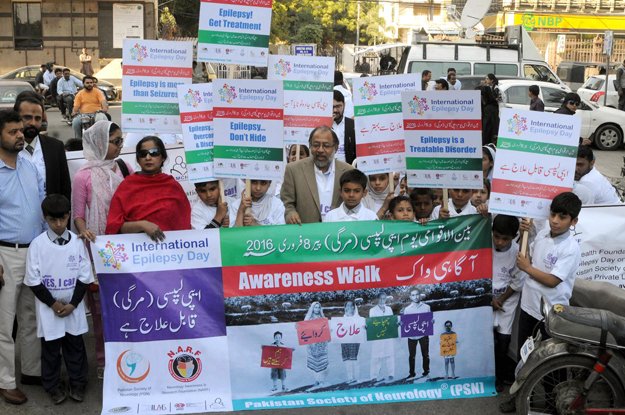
x=514 y=55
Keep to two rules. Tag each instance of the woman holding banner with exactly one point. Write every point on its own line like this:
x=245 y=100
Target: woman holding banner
x=317 y=360
x=92 y=191
x=149 y=201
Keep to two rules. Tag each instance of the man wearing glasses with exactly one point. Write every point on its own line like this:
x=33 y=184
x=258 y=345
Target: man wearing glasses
x=311 y=185
x=571 y=103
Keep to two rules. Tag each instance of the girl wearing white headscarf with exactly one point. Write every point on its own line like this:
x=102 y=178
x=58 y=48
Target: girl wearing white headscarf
x=349 y=351
x=92 y=190
x=317 y=358
x=379 y=194
x=265 y=208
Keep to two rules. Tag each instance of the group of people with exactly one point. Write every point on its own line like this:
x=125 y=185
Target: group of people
x=40 y=204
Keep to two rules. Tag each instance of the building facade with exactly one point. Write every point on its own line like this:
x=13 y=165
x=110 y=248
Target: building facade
x=33 y=32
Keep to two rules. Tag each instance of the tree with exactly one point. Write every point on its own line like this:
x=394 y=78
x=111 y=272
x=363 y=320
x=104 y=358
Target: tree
x=310 y=33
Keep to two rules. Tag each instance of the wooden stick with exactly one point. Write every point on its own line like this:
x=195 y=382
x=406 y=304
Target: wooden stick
x=445 y=198
x=391 y=181
x=222 y=194
x=524 y=240
x=296 y=152
x=248 y=193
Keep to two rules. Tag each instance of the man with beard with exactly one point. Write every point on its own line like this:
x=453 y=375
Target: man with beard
x=311 y=186
x=344 y=129
x=585 y=173
x=46 y=153
x=88 y=101
x=21 y=193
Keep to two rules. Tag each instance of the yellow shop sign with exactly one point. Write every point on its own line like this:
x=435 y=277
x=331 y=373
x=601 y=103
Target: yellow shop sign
x=531 y=21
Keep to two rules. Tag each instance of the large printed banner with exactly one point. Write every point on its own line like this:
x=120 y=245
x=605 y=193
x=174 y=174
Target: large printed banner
x=378 y=121
x=151 y=73
x=234 y=31
x=248 y=123
x=296 y=316
x=308 y=83
x=443 y=131
x=536 y=154
x=164 y=328
x=284 y=283
x=196 y=118
x=600 y=232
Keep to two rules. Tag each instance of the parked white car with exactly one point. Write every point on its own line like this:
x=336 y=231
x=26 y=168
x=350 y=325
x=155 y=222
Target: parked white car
x=593 y=90
x=603 y=125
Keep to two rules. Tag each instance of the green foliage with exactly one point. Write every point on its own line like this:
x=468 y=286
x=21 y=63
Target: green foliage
x=310 y=33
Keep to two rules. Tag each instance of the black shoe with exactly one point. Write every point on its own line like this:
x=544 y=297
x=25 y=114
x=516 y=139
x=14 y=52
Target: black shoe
x=77 y=393
x=425 y=373
x=30 y=380
x=57 y=395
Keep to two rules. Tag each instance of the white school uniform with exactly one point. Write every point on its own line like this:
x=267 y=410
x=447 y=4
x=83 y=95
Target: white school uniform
x=202 y=214
x=467 y=209
x=604 y=193
x=342 y=214
x=58 y=267
x=506 y=274
x=560 y=257
x=269 y=210
x=325 y=187
x=382 y=351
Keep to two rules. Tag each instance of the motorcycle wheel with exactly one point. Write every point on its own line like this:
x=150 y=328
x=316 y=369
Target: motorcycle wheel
x=553 y=386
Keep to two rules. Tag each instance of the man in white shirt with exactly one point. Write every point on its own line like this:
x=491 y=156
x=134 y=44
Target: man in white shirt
x=382 y=351
x=339 y=85
x=66 y=88
x=585 y=173
x=344 y=129
x=454 y=84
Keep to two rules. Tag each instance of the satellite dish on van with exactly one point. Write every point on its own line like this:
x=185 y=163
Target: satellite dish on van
x=473 y=12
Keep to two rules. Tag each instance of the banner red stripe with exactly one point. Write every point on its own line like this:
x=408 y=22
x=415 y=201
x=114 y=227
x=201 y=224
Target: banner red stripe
x=306 y=121
x=246 y=3
x=198 y=116
x=380 y=148
x=463 y=125
x=159 y=71
x=249 y=113
x=543 y=191
x=241 y=281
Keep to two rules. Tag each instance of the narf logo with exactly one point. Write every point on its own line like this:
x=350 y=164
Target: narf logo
x=132 y=367
x=138 y=53
x=517 y=124
x=113 y=255
x=418 y=105
x=227 y=94
x=282 y=67
x=193 y=98
x=368 y=91
x=185 y=364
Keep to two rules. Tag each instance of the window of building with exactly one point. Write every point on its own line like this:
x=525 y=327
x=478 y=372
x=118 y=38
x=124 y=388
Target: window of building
x=426 y=9
x=27 y=26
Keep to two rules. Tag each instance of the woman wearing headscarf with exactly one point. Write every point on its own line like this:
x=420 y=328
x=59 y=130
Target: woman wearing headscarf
x=490 y=115
x=317 y=358
x=92 y=190
x=349 y=351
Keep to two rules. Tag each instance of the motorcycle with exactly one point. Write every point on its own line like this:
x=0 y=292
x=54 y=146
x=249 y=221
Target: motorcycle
x=579 y=370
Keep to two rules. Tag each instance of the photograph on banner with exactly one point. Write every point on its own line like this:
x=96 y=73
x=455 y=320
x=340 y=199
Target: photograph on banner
x=600 y=233
x=443 y=132
x=248 y=127
x=378 y=121
x=371 y=281
x=151 y=73
x=536 y=156
x=164 y=327
x=196 y=119
x=308 y=83
x=234 y=31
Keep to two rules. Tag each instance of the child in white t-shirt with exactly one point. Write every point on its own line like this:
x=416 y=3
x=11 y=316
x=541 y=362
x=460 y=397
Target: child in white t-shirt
x=58 y=271
x=459 y=205
x=265 y=208
x=401 y=209
x=209 y=211
x=353 y=188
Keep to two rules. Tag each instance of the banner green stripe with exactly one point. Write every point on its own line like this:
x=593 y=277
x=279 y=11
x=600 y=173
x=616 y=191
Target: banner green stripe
x=199 y=156
x=416 y=163
x=150 y=108
x=249 y=153
x=548 y=149
x=234 y=39
x=376 y=109
x=338 y=241
x=308 y=86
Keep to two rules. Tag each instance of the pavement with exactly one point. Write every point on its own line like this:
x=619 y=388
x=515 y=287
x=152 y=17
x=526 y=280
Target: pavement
x=608 y=162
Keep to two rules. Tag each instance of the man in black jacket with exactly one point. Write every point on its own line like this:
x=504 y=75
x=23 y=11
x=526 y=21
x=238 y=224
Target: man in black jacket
x=46 y=153
x=344 y=129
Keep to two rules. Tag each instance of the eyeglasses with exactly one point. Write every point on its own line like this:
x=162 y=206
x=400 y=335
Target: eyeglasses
x=153 y=152
x=119 y=141
x=570 y=102
x=326 y=146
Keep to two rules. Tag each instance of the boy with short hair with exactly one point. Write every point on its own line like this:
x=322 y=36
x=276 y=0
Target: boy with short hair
x=209 y=211
x=507 y=285
x=353 y=185
x=58 y=271
x=555 y=256
x=277 y=373
x=422 y=203
x=458 y=205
